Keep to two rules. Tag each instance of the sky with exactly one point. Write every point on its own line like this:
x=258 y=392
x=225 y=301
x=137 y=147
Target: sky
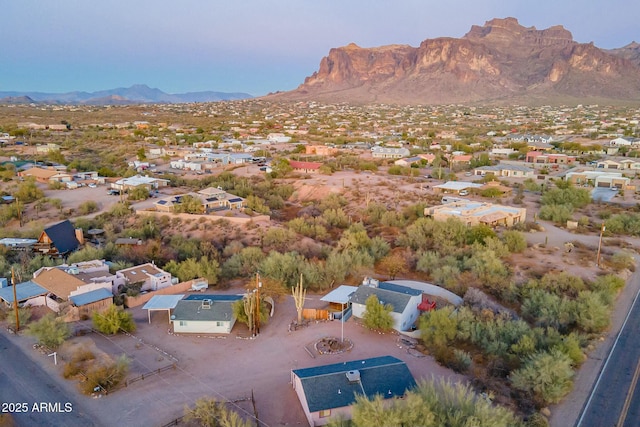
x=251 y=46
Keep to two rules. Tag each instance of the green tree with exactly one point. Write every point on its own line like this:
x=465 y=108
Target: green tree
x=49 y=331
x=439 y=327
x=189 y=204
x=209 y=412
x=377 y=316
x=113 y=320
x=548 y=375
x=28 y=191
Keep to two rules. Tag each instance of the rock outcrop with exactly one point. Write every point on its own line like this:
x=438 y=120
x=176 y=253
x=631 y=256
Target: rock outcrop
x=498 y=62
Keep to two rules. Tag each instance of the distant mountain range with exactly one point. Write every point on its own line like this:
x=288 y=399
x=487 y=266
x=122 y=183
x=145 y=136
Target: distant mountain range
x=500 y=62
x=136 y=94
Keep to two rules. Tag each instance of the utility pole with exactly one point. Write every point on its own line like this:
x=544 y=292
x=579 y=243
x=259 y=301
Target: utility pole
x=600 y=244
x=15 y=300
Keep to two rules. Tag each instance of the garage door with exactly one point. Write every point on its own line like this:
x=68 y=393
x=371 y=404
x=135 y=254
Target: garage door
x=604 y=184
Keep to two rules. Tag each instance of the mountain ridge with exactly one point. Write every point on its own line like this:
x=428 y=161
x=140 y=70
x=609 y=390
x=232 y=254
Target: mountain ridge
x=501 y=61
x=135 y=94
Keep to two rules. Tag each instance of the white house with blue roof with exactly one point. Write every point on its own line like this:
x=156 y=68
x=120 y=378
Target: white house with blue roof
x=330 y=390
x=403 y=300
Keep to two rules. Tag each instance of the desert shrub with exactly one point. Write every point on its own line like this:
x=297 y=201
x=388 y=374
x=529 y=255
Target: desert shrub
x=192 y=268
x=537 y=420
x=243 y=263
x=461 y=360
x=49 y=331
x=432 y=404
x=77 y=362
x=547 y=375
x=557 y=213
x=515 y=241
x=209 y=412
x=335 y=217
x=438 y=327
x=592 y=314
x=624 y=223
x=622 y=261
x=575 y=197
x=87 y=207
x=24 y=314
x=113 y=320
x=105 y=376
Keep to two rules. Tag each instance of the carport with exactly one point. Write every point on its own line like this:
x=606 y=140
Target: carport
x=162 y=302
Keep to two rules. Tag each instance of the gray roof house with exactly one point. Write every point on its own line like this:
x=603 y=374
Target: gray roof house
x=404 y=301
x=204 y=314
x=330 y=390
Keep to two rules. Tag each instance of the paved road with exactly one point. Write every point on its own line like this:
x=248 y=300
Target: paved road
x=24 y=384
x=615 y=400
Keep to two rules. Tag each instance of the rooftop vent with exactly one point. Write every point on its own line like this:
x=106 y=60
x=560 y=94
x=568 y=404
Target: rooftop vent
x=206 y=303
x=353 y=376
x=73 y=270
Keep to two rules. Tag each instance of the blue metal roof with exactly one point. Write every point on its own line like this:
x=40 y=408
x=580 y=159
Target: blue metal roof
x=399 y=288
x=327 y=387
x=213 y=297
x=24 y=291
x=91 y=297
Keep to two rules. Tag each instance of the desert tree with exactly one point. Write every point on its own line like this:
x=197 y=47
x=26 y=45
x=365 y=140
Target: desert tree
x=113 y=320
x=50 y=331
x=377 y=316
x=548 y=376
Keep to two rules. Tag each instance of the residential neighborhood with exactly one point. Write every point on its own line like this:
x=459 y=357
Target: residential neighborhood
x=323 y=254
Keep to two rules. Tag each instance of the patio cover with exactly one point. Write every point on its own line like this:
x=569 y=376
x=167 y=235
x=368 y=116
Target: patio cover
x=162 y=302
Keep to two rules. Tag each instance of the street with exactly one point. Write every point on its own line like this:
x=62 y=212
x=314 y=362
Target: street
x=31 y=396
x=615 y=399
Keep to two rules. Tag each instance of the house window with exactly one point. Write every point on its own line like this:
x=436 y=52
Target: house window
x=183 y=323
x=325 y=413
x=219 y=323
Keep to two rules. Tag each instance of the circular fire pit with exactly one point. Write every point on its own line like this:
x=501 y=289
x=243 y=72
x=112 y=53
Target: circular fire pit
x=333 y=345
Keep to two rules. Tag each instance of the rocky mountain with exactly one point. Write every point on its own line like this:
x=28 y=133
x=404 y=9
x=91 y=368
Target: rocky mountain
x=499 y=62
x=136 y=94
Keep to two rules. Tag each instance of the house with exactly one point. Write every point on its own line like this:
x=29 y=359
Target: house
x=45 y=176
x=204 y=314
x=320 y=150
x=126 y=184
x=24 y=292
x=66 y=281
x=509 y=170
x=18 y=244
x=475 y=213
x=455 y=187
x=404 y=301
x=305 y=167
x=212 y=199
x=331 y=390
x=597 y=178
x=389 y=153
x=625 y=142
x=151 y=277
x=540 y=157
x=59 y=239
x=608 y=164
x=408 y=161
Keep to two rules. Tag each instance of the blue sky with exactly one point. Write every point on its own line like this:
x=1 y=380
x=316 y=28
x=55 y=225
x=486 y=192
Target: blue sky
x=253 y=46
